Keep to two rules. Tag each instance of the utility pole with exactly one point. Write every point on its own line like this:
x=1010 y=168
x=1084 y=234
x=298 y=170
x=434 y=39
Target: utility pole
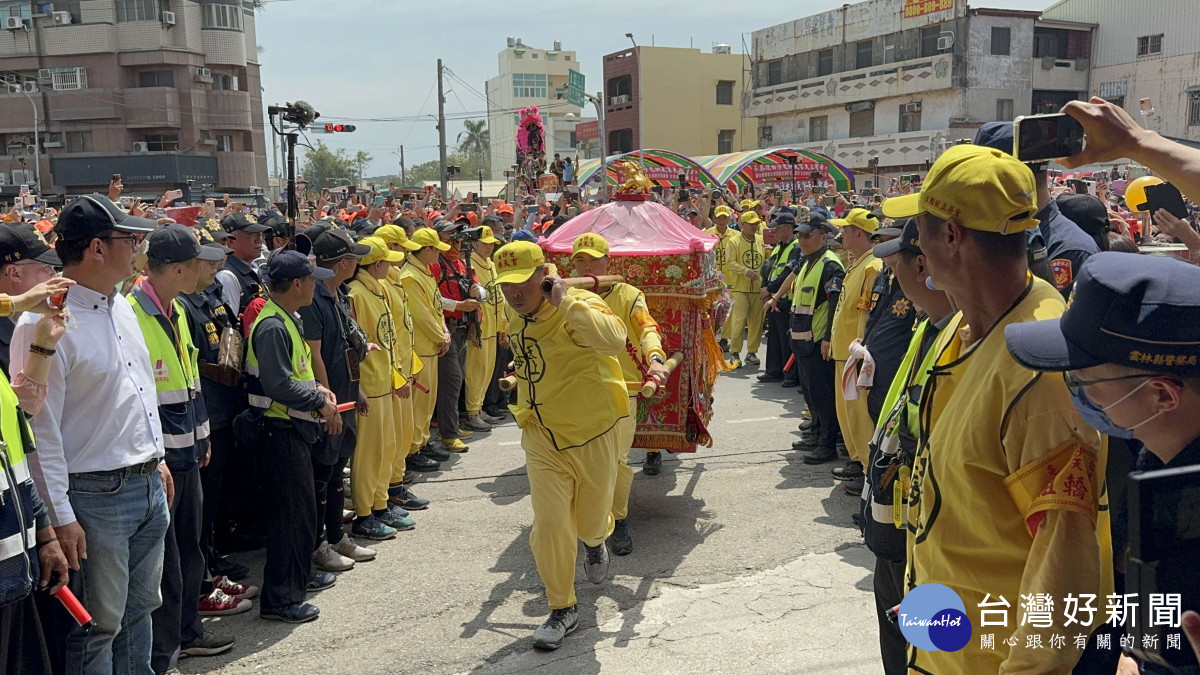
x=441 y=130
x=403 y=179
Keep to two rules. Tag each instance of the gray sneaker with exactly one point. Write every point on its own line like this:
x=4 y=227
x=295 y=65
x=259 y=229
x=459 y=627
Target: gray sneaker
x=562 y=622
x=475 y=423
x=596 y=565
x=490 y=419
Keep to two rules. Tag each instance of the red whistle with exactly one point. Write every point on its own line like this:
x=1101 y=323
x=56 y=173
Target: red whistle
x=68 y=599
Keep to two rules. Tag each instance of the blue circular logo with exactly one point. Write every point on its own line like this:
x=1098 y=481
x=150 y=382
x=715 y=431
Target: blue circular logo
x=932 y=617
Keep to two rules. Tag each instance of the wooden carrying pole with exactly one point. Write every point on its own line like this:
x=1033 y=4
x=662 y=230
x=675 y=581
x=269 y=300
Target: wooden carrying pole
x=650 y=386
x=588 y=283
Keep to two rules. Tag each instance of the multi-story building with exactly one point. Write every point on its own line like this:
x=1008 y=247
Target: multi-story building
x=163 y=92
x=691 y=101
x=1148 y=50
x=885 y=85
x=528 y=77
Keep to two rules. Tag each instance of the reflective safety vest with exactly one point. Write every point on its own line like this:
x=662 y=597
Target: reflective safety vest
x=17 y=525
x=779 y=260
x=301 y=361
x=173 y=359
x=809 y=320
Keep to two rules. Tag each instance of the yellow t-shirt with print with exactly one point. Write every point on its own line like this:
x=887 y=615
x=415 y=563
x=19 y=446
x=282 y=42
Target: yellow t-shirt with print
x=719 y=249
x=741 y=256
x=854 y=304
x=371 y=303
x=492 y=318
x=408 y=364
x=425 y=306
x=1006 y=454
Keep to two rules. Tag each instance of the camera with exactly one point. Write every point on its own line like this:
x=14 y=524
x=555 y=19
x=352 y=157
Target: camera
x=468 y=235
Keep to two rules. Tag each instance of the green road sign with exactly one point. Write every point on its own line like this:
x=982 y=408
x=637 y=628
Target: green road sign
x=575 y=95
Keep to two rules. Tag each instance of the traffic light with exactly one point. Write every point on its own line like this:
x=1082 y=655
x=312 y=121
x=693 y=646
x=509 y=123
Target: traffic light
x=339 y=128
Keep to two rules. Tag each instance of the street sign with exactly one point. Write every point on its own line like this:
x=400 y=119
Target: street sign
x=575 y=94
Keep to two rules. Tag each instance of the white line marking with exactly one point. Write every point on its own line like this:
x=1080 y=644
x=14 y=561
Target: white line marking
x=510 y=443
x=756 y=419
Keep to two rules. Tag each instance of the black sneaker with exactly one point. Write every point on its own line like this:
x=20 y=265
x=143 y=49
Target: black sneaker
x=653 y=464
x=788 y=384
x=767 y=378
x=851 y=471
x=208 y=644
x=301 y=612
x=854 y=487
x=805 y=425
x=752 y=359
x=419 y=462
x=220 y=566
x=622 y=543
x=435 y=453
x=819 y=457
x=496 y=411
x=321 y=581
x=723 y=344
x=806 y=442
x=562 y=622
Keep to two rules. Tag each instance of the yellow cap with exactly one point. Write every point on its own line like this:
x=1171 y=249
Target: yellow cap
x=590 y=243
x=750 y=204
x=722 y=210
x=379 y=251
x=516 y=262
x=982 y=188
x=862 y=219
x=488 y=237
x=394 y=234
x=750 y=218
x=839 y=222
x=425 y=237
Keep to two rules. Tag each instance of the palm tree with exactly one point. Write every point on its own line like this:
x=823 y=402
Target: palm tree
x=475 y=141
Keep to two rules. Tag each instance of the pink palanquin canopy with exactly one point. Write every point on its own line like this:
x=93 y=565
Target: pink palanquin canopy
x=633 y=228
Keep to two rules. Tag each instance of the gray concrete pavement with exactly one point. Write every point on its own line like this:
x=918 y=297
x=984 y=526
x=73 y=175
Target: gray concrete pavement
x=745 y=560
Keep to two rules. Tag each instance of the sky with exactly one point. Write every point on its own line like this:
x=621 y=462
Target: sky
x=360 y=60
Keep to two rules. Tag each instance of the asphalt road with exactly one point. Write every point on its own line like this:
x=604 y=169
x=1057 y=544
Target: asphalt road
x=745 y=561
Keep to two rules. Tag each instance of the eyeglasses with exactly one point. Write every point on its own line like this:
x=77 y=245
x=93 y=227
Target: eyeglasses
x=134 y=239
x=1076 y=385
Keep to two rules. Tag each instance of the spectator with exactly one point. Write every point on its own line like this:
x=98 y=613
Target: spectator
x=25 y=262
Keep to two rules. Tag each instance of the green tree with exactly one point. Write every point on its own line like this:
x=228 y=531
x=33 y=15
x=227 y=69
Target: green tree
x=430 y=170
x=474 y=144
x=360 y=161
x=324 y=168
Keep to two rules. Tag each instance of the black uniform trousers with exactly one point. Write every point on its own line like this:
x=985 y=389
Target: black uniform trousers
x=451 y=368
x=176 y=622
x=291 y=508
x=817 y=384
x=889 y=591
x=779 y=342
x=328 y=487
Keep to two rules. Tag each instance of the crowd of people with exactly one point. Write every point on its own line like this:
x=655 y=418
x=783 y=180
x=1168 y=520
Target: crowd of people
x=926 y=328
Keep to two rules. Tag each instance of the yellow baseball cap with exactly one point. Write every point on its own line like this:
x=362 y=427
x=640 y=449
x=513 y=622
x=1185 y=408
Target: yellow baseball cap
x=749 y=204
x=425 y=237
x=517 y=261
x=488 y=237
x=722 y=210
x=379 y=251
x=982 y=188
x=749 y=218
x=862 y=219
x=394 y=234
x=590 y=243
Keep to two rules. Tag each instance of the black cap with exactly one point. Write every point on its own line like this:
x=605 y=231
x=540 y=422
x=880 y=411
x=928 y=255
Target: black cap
x=1137 y=311
x=1086 y=211
x=306 y=237
x=336 y=243
x=220 y=248
x=240 y=221
x=175 y=243
x=276 y=223
x=813 y=224
x=783 y=218
x=996 y=135
x=288 y=265
x=22 y=242
x=907 y=241
x=892 y=232
x=91 y=215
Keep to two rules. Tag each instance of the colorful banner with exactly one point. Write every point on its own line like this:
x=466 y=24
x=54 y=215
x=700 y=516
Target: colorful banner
x=669 y=174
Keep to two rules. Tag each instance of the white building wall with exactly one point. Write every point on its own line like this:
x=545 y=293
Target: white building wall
x=1121 y=23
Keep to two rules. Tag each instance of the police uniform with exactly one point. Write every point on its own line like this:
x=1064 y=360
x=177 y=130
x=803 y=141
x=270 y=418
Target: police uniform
x=239 y=280
x=1067 y=246
x=889 y=330
x=481 y=357
x=779 y=340
x=429 y=327
x=743 y=256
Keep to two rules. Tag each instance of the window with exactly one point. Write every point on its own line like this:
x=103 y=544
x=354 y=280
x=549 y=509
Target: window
x=71 y=7
x=620 y=86
x=725 y=141
x=725 y=92
x=910 y=117
x=864 y=53
x=1193 y=106
x=1150 y=44
x=68 y=79
x=818 y=128
x=223 y=82
x=1001 y=41
x=138 y=10
x=224 y=143
x=889 y=48
x=529 y=85
x=222 y=15
x=162 y=142
x=620 y=141
x=574 y=140
x=19 y=8
x=79 y=141
x=929 y=38
x=774 y=72
x=862 y=123
x=156 y=78
x=1050 y=42
x=824 y=62
x=1004 y=109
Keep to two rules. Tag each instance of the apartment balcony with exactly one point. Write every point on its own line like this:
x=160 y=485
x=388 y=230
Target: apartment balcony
x=16 y=113
x=228 y=110
x=84 y=104
x=151 y=107
x=915 y=147
x=1061 y=74
x=904 y=78
x=236 y=169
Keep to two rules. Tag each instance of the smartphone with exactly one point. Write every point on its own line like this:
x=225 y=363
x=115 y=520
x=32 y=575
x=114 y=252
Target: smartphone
x=468 y=207
x=116 y=177
x=379 y=200
x=1165 y=196
x=830 y=201
x=58 y=300
x=1039 y=138
x=1080 y=187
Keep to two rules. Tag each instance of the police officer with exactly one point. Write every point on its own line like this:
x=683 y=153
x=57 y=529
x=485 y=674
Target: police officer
x=290 y=407
x=174 y=260
x=1067 y=245
x=779 y=339
x=239 y=280
x=1128 y=350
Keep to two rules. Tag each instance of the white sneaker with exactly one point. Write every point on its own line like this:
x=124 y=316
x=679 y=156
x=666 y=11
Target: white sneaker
x=329 y=560
x=351 y=550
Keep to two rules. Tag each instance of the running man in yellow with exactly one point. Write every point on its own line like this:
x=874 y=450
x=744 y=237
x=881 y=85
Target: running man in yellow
x=590 y=256
x=744 y=255
x=493 y=327
x=431 y=338
x=571 y=402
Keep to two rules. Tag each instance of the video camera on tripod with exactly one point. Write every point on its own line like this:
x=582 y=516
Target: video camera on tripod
x=467 y=235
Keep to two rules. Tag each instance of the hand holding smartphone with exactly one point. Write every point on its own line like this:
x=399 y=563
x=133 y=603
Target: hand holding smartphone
x=1039 y=138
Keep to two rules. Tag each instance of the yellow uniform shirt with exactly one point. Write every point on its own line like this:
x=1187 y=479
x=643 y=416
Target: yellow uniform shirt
x=492 y=315
x=1006 y=455
x=425 y=306
x=741 y=256
x=719 y=249
x=568 y=378
x=629 y=304
x=371 y=303
x=850 y=317
x=408 y=364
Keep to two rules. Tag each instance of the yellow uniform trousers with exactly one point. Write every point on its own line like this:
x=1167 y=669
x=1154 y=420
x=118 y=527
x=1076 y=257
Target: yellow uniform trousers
x=423 y=403
x=481 y=362
x=406 y=430
x=854 y=418
x=373 y=455
x=572 y=492
x=628 y=429
x=747 y=315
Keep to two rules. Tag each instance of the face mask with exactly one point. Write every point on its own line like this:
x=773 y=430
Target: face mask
x=1097 y=417
x=929 y=283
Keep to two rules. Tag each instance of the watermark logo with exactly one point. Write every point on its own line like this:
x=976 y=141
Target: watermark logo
x=932 y=617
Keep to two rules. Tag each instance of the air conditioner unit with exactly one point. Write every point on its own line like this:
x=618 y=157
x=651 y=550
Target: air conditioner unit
x=44 y=75
x=14 y=23
x=3 y=179
x=209 y=141
x=52 y=144
x=20 y=177
x=203 y=72
x=31 y=150
x=31 y=87
x=62 y=18
x=912 y=107
x=168 y=19
x=141 y=146
x=618 y=100
x=945 y=42
x=1048 y=62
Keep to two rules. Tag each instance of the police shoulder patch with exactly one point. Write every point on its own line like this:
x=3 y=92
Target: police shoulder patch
x=1063 y=274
